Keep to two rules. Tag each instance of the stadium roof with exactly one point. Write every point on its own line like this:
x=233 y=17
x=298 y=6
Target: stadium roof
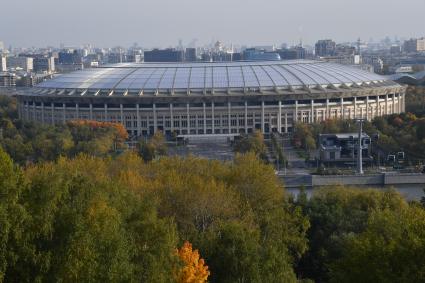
x=210 y=77
x=417 y=77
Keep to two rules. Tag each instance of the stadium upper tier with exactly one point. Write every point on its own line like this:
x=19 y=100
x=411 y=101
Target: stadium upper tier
x=174 y=78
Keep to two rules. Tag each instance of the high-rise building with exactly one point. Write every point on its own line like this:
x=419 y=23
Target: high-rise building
x=3 y=66
x=414 y=45
x=7 y=79
x=164 y=55
x=345 y=50
x=1 y=46
x=69 y=57
x=44 y=64
x=395 y=49
x=325 y=47
x=297 y=52
x=190 y=55
x=260 y=55
x=25 y=63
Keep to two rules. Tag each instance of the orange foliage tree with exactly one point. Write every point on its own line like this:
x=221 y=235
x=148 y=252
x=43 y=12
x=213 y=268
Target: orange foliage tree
x=194 y=269
x=121 y=132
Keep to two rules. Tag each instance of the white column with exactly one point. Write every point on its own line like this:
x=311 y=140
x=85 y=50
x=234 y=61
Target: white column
x=312 y=111
x=355 y=107
x=386 y=104
x=342 y=108
x=378 y=106
x=393 y=104
x=42 y=113
x=155 y=118
x=171 y=117
x=286 y=122
x=34 y=116
x=91 y=111
x=188 y=118
x=63 y=112
x=295 y=118
x=122 y=114
x=399 y=103
x=139 y=126
x=327 y=116
x=204 y=110
x=229 y=116
x=77 y=110
x=367 y=107
x=106 y=112
x=246 y=117
x=212 y=117
x=279 y=118
x=262 y=117
x=403 y=100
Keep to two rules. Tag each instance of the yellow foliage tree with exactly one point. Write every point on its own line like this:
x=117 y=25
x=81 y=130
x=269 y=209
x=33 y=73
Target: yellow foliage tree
x=194 y=269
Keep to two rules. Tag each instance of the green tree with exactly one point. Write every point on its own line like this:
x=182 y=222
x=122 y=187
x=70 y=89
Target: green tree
x=252 y=143
x=235 y=255
x=153 y=148
x=390 y=249
x=12 y=213
x=335 y=213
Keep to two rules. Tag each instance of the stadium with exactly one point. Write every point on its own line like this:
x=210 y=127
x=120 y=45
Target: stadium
x=223 y=98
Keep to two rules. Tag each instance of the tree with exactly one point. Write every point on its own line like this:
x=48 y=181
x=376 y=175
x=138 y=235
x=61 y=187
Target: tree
x=83 y=224
x=194 y=269
x=252 y=143
x=335 y=213
x=235 y=254
x=282 y=227
x=12 y=213
x=390 y=249
x=153 y=148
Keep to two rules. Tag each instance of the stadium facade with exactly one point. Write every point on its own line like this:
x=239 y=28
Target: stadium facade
x=213 y=98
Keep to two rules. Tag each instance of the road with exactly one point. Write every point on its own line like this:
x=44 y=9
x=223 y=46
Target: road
x=296 y=163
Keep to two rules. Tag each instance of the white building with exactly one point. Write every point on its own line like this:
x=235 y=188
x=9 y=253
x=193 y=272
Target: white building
x=3 y=65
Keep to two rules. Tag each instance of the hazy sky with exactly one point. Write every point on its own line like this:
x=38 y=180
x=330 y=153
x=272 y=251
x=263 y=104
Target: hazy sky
x=161 y=23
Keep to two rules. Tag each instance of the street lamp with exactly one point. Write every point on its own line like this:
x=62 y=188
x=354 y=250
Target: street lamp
x=359 y=149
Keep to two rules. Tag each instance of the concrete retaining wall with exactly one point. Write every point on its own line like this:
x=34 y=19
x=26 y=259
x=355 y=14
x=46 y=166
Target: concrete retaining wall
x=347 y=180
x=383 y=179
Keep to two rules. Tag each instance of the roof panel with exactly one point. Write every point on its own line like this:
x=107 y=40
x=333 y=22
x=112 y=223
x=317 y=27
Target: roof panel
x=197 y=78
x=249 y=77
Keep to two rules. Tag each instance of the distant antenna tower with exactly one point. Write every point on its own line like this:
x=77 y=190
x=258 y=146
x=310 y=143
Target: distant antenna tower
x=358 y=46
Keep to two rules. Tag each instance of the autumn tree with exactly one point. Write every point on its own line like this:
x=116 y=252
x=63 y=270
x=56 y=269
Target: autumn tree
x=193 y=268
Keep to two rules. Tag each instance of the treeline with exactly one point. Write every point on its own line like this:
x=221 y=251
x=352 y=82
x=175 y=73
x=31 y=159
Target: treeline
x=415 y=100
x=111 y=216
x=90 y=219
x=29 y=142
x=93 y=219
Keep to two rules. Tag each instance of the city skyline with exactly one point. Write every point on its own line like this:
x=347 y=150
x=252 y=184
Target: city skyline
x=239 y=22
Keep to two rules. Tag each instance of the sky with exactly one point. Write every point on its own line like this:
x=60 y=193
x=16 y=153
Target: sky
x=162 y=23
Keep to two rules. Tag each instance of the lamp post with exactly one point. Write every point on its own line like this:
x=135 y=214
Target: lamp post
x=359 y=149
